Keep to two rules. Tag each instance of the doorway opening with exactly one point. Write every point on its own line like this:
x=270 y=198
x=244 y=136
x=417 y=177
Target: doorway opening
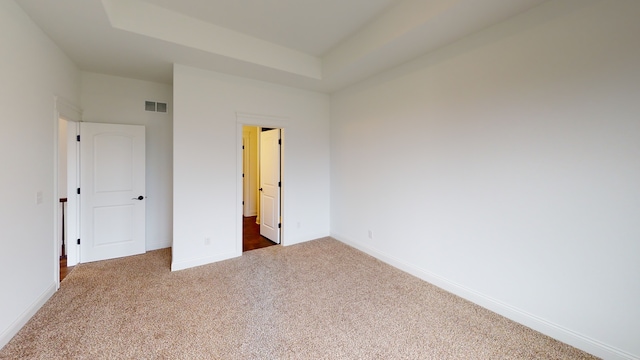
x=64 y=219
x=261 y=182
x=106 y=142
x=65 y=122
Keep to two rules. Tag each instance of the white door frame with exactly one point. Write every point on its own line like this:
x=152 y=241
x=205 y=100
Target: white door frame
x=247 y=119
x=63 y=109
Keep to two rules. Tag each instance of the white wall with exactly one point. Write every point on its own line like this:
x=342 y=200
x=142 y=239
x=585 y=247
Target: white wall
x=506 y=168
x=117 y=100
x=32 y=70
x=207 y=146
x=62 y=158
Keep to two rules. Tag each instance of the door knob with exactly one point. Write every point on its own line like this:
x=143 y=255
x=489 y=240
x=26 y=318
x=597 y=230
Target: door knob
x=138 y=198
x=260 y=189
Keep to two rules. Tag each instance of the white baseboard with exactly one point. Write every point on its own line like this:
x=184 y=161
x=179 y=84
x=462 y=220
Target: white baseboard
x=289 y=242
x=157 y=245
x=555 y=331
x=13 y=329
x=186 y=264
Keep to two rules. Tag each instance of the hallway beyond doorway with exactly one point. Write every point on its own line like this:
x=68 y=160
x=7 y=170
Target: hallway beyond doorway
x=251 y=238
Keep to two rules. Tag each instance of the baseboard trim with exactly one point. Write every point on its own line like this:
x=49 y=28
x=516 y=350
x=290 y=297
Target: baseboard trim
x=157 y=245
x=553 y=330
x=13 y=329
x=304 y=240
x=190 y=263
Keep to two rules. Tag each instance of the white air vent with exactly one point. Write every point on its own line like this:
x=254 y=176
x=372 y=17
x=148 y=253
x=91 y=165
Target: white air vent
x=154 y=106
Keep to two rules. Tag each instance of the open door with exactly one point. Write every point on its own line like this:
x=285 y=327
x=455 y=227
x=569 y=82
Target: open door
x=270 y=184
x=112 y=191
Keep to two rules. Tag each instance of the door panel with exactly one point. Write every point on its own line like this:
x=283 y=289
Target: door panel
x=113 y=152
x=270 y=185
x=113 y=225
x=112 y=177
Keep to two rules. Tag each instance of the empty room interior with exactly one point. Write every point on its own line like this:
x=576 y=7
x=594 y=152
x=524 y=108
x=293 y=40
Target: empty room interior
x=488 y=147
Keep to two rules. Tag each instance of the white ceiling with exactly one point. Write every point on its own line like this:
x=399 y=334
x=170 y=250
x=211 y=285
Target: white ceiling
x=309 y=26
x=321 y=45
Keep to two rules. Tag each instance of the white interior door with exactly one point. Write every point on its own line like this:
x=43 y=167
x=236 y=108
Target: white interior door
x=73 y=199
x=112 y=190
x=270 y=185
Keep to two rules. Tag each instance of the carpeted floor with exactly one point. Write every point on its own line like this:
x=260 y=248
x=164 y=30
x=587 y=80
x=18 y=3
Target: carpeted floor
x=317 y=300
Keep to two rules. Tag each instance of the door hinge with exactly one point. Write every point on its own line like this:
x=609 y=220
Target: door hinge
x=78 y=241
x=279 y=225
x=78 y=191
x=242 y=147
x=242 y=175
x=279 y=142
x=77 y=137
x=279 y=184
x=243 y=203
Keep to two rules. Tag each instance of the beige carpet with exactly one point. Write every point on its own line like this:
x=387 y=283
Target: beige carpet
x=318 y=300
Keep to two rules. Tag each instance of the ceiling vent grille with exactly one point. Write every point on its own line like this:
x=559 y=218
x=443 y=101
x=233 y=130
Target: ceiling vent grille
x=155 y=106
